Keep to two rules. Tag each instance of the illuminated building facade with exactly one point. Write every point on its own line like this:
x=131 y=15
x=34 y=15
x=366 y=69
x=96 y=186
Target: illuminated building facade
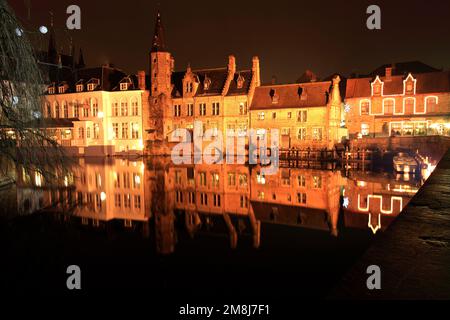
x=405 y=99
x=218 y=97
x=307 y=115
x=99 y=113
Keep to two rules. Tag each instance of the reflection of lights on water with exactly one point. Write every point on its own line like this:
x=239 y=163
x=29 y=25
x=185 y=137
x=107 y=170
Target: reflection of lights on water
x=38 y=179
x=377 y=227
x=346 y=202
x=103 y=196
x=361 y=183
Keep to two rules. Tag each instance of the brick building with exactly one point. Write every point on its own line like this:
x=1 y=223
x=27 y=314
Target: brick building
x=405 y=99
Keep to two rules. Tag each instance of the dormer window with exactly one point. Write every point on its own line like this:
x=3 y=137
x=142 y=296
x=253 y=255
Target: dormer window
x=240 y=82
x=51 y=90
x=377 y=87
x=123 y=86
x=206 y=83
x=93 y=84
x=79 y=87
x=302 y=93
x=409 y=85
x=274 y=96
x=61 y=89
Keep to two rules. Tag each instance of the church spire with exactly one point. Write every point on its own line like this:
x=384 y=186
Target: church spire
x=81 y=63
x=159 y=43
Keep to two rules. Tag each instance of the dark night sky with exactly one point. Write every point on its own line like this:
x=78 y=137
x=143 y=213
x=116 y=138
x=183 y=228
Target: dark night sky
x=288 y=36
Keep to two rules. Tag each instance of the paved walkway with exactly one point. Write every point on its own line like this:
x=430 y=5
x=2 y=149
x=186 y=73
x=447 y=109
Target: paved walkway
x=414 y=253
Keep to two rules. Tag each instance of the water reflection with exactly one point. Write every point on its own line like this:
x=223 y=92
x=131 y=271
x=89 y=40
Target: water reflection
x=159 y=199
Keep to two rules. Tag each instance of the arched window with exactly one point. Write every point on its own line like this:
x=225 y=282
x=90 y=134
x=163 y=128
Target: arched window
x=431 y=104
x=123 y=108
x=57 y=115
x=65 y=109
x=76 y=109
x=81 y=133
x=85 y=108
x=49 y=110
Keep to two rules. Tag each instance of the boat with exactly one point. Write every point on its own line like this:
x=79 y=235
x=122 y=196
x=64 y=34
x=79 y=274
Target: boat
x=405 y=163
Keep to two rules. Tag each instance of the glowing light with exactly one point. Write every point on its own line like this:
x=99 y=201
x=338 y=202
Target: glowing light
x=361 y=183
x=38 y=179
x=377 y=227
x=66 y=181
x=43 y=29
x=346 y=202
x=137 y=179
x=100 y=114
x=347 y=108
x=15 y=100
x=103 y=196
x=380 y=198
x=19 y=32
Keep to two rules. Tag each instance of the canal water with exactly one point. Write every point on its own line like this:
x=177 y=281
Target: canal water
x=193 y=230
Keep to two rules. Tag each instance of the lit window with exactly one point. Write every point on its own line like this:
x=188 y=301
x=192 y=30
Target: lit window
x=177 y=110
x=409 y=105
x=364 y=129
x=79 y=88
x=215 y=108
x=388 y=106
x=243 y=108
x=124 y=108
x=190 y=109
x=301 y=134
x=364 y=107
x=261 y=115
x=51 y=90
x=61 y=89
x=302 y=116
x=91 y=86
x=431 y=104
x=124 y=86
x=317 y=182
x=202 y=109
x=317 y=134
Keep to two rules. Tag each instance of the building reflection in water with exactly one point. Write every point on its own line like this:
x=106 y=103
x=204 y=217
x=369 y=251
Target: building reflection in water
x=160 y=199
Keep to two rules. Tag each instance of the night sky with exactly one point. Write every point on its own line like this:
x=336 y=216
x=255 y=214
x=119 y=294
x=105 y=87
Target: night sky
x=288 y=36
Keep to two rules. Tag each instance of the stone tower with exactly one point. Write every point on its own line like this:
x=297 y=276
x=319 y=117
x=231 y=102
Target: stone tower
x=161 y=67
x=161 y=62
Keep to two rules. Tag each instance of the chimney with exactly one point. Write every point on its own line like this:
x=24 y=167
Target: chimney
x=388 y=73
x=255 y=71
x=141 y=80
x=231 y=64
